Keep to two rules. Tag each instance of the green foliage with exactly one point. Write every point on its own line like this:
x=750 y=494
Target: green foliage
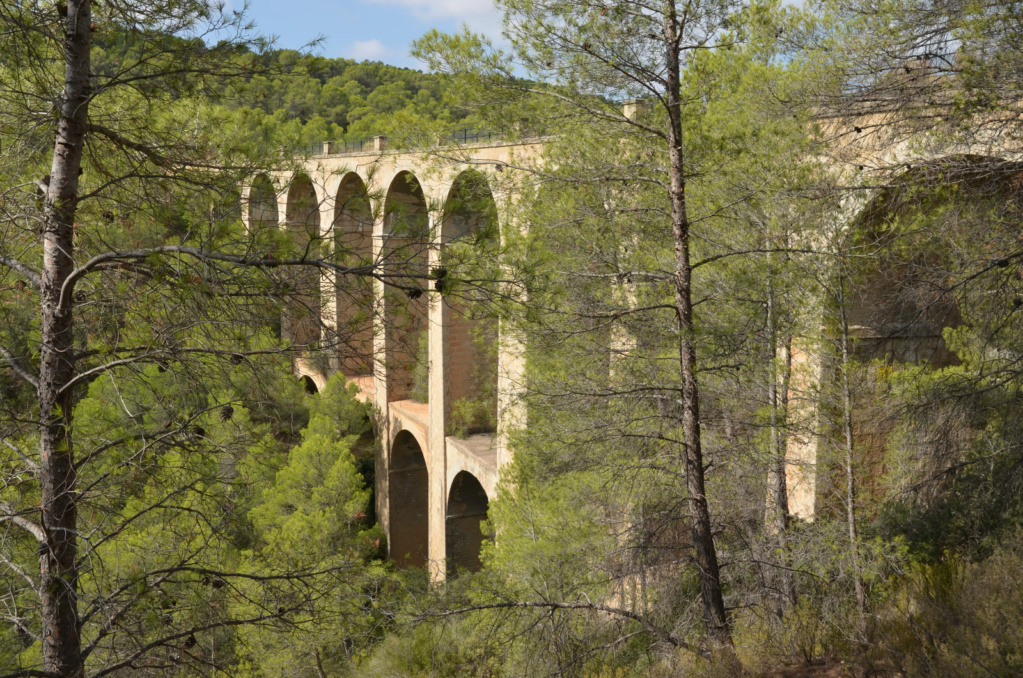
x=318 y=498
x=224 y=508
x=219 y=516
x=309 y=99
x=935 y=240
x=312 y=518
x=433 y=650
x=954 y=480
x=474 y=413
x=957 y=619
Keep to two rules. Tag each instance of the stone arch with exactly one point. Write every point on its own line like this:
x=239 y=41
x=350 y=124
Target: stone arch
x=309 y=384
x=261 y=204
x=901 y=249
x=469 y=227
x=470 y=209
x=353 y=242
x=303 y=210
x=406 y=239
x=408 y=502
x=302 y=220
x=894 y=313
x=467 y=507
x=262 y=221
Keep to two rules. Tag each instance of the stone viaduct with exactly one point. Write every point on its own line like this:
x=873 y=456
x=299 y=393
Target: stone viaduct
x=432 y=488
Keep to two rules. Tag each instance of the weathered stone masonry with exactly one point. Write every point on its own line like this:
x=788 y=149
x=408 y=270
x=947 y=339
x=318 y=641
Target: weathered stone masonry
x=432 y=488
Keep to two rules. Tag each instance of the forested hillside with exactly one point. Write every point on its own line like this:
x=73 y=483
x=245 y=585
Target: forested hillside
x=303 y=99
x=340 y=96
x=309 y=98
x=306 y=99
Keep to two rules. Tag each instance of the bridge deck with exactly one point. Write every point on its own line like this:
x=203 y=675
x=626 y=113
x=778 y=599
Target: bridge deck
x=412 y=412
x=481 y=447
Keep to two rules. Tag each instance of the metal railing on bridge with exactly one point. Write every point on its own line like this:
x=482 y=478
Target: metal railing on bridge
x=339 y=146
x=472 y=136
x=463 y=136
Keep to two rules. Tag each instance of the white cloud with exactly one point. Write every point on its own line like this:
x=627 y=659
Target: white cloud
x=371 y=50
x=480 y=15
x=447 y=9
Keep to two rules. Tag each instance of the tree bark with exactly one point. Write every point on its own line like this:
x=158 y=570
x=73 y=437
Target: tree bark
x=704 y=551
x=61 y=642
x=777 y=522
x=850 y=474
x=777 y=397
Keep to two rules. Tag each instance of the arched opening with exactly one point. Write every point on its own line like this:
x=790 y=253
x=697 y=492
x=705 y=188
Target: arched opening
x=262 y=204
x=408 y=502
x=893 y=311
x=303 y=223
x=469 y=233
x=262 y=221
x=366 y=450
x=353 y=243
x=406 y=241
x=467 y=508
x=904 y=279
x=309 y=385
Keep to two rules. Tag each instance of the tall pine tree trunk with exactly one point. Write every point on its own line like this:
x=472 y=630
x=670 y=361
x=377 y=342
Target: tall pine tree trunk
x=780 y=375
x=61 y=642
x=847 y=430
x=704 y=551
x=777 y=397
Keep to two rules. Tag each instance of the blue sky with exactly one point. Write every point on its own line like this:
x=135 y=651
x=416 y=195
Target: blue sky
x=378 y=30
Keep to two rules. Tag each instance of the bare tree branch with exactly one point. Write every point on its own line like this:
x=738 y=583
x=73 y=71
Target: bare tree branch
x=22 y=268
x=657 y=631
x=30 y=673
x=142 y=651
x=369 y=270
x=19 y=369
x=8 y=513
x=24 y=457
x=14 y=567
